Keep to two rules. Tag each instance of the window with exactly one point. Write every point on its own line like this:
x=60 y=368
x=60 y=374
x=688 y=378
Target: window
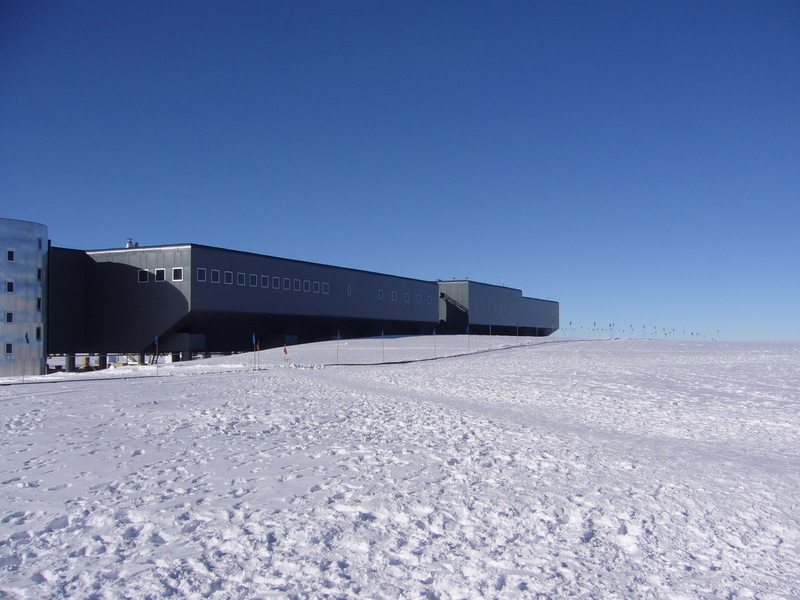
x=296 y=285
x=39 y=304
x=40 y=243
x=306 y=286
x=177 y=274
x=228 y=277
x=161 y=274
x=9 y=317
x=265 y=281
x=9 y=287
x=326 y=288
x=419 y=298
x=240 y=278
x=10 y=255
x=380 y=294
x=407 y=297
x=394 y=296
x=287 y=283
x=38 y=334
x=276 y=283
x=253 y=280
x=9 y=348
x=201 y=274
x=349 y=290
x=144 y=276
x=316 y=287
x=38 y=274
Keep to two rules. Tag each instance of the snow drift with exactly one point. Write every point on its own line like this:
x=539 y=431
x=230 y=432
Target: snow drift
x=594 y=469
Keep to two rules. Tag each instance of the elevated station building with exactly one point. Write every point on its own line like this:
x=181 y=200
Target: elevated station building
x=203 y=299
x=195 y=299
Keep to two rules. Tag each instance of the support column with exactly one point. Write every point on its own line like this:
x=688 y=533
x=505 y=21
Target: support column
x=186 y=356
x=141 y=358
x=102 y=361
x=69 y=363
x=176 y=356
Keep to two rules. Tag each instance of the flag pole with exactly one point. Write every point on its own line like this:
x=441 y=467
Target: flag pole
x=25 y=357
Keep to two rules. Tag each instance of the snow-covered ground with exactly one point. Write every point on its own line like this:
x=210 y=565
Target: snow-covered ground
x=587 y=469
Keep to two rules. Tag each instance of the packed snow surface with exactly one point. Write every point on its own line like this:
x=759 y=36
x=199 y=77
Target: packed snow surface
x=587 y=469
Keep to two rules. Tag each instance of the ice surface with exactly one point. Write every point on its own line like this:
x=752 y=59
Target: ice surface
x=593 y=469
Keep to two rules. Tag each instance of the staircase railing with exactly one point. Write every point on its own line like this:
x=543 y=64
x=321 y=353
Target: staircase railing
x=454 y=302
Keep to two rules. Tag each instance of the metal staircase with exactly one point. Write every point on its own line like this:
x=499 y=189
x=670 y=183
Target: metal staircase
x=454 y=302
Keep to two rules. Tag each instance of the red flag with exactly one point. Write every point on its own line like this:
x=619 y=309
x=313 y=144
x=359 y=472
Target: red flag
x=284 y=349
x=258 y=345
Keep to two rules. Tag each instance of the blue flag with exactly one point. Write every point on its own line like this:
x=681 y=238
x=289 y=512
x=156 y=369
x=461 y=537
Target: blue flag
x=27 y=339
x=254 y=339
x=467 y=328
x=156 y=340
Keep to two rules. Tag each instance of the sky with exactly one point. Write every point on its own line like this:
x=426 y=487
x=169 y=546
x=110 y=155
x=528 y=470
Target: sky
x=638 y=162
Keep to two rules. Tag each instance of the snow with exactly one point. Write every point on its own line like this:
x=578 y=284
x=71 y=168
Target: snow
x=593 y=469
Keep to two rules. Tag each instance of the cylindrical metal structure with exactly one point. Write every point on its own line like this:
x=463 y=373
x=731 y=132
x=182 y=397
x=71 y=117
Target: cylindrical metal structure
x=23 y=274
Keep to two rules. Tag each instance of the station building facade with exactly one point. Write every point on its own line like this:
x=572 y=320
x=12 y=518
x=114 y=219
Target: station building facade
x=203 y=299
x=191 y=299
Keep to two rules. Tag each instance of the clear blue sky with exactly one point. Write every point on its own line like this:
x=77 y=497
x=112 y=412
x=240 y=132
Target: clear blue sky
x=637 y=161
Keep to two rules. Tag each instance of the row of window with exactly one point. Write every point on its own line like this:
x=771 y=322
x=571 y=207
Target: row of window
x=11 y=252
x=218 y=276
x=406 y=297
x=10 y=282
x=264 y=281
x=9 y=346
x=9 y=315
x=161 y=275
x=10 y=290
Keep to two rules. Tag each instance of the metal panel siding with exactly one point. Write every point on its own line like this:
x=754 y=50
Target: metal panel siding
x=150 y=259
x=126 y=315
x=501 y=306
x=27 y=272
x=362 y=303
x=544 y=313
x=457 y=290
x=68 y=305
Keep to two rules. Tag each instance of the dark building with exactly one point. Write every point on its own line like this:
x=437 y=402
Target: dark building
x=196 y=298
x=494 y=309
x=204 y=299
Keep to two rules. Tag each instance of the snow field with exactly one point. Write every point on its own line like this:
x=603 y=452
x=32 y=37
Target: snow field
x=628 y=469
